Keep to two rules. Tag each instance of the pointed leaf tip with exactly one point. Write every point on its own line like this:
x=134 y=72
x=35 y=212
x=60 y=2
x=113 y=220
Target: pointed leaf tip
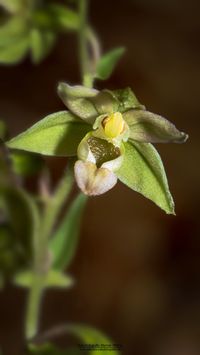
x=108 y=62
x=142 y=170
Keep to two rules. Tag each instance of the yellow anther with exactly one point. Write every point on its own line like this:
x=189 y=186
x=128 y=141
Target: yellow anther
x=113 y=125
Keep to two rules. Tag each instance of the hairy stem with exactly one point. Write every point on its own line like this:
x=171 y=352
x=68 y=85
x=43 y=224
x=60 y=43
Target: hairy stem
x=42 y=260
x=83 y=42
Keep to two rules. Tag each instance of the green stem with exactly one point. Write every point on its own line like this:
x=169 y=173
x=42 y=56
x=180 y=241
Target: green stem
x=42 y=260
x=83 y=50
x=33 y=306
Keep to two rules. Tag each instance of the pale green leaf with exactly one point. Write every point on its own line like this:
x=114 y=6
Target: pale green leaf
x=57 y=134
x=148 y=127
x=41 y=45
x=80 y=106
x=108 y=62
x=142 y=170
x=54 y=279
x=65 y=240
x=15 y=51
x=76 y=91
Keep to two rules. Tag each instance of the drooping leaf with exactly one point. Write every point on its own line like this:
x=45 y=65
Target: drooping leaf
x=64 y=242
x=148 y=127
x=142 y=170
x=41 y=45
x=57 y=134
x=76 y=91
x=108 y=62
x=15 y=51
x=54 y=279
x=80 y=106
x=94 y=341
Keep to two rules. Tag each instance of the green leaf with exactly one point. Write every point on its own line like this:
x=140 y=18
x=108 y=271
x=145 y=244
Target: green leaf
x=42 y=43
x=12 y=30
x=148 y=127
x=91 y=339
x=13 y=6
x=95 y=341
x=65 y=240
x=22 y=217
x=142 y=170
x=76 y=91
x=64 y=17
x=54 y=279
x=108 y=62
x=15 y=51
x=57 y=134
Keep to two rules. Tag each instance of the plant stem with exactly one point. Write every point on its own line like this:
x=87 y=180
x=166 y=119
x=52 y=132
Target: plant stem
x=83 y=50
x=42 y=261
x=33 y=306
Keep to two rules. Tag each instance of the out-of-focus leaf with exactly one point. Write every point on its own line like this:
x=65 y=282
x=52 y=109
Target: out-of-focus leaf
x=3 y=130
x=42 y=43
x=148 y=127
x=54 y=279
x=64 y=17
x=22 y=216
x=142 y=170
x=15 y=51
x=57 y=134
x=45 y=349
x=95 y=341
x=13 y=6
x=12 y=30
x=25 y=164
x=108 y=62
x=91 y=342
x=1 y=286
x=64 y=242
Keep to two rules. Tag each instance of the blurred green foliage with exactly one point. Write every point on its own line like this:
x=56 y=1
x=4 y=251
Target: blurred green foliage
x=32 y=27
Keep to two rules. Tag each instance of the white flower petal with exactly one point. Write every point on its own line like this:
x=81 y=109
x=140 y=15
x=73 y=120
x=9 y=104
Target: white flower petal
x=93 y=181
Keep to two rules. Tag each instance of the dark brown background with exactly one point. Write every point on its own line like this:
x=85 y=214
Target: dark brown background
x=137 y=269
